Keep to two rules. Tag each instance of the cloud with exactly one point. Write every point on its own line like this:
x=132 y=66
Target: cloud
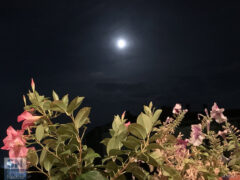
x=120 y=86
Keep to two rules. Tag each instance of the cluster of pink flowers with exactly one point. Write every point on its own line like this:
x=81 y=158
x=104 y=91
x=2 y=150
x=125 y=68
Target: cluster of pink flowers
x=15 y=141
x=216 y=113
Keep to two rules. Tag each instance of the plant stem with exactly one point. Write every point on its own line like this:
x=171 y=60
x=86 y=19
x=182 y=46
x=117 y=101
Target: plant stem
x=42 y=171
x=56 y=156
x=120 y=171
x=79 y=142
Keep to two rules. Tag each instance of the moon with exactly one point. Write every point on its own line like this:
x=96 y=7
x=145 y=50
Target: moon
x=121 y=43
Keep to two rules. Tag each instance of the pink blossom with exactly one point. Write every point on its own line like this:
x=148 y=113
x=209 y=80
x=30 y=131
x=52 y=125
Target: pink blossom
x=18 y=151
x=196 y=135
x=217 y=114
x=127 y=124
x=15 y=143
x=169 y=120
x=13 y=137
x=177 y=109
x=182 y=142
x=181 y=147
x=28 y=119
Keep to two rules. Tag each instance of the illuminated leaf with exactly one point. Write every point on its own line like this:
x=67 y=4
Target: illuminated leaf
x=39 y=132
x=145 y=122
x=82 y=117
x=137 y=130
x=75 y=103
x=55 y=96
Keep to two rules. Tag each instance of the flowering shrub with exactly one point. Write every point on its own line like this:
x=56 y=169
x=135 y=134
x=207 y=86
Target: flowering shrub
x=146 y=149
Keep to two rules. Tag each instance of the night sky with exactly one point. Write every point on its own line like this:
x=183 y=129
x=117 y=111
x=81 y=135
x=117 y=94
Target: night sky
x=177 y=51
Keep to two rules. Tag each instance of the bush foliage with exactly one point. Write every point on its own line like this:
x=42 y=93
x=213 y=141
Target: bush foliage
x=146 y=149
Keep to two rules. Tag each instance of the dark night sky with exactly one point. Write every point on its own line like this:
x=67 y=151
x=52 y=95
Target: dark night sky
x=179 y=51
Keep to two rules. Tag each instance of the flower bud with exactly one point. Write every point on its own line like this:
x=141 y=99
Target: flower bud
x=32 y=84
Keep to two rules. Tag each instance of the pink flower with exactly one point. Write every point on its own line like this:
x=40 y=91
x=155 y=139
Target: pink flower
x=182 y=142
x=15 y=143
x=217 y=114
x=169 y=120
x=28 y=119
x=181 y=145
x=177 y=109
x=196 y=135
x=18 y=151
x=127 y=124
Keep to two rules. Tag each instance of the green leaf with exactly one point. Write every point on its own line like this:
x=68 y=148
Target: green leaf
x=153 y=146
x=39 y=132
x=156 y=115
x=47 y=163
x=155 y=137
x=147 y=110
x=32 y=157
x=75 y=103
x=114 y=143
x=42 y=156
x=91 y=175
x=171 y=172
x=38 y=97
x=47 y=105
x=137 y=171
x=112 y=166
x=154 y=161
x=66 y=131
x=82 y=117
x=137 y=130
x=65 y=169
x=55 y=96
x=116 y=123
x=117 y=152
x=132 y=143
x=90 y=156
x=145 y=122
x=105 y=141
x=65 y=100
x=67 y=152
x=58 y=106
x=157 y=157
x=50 y=143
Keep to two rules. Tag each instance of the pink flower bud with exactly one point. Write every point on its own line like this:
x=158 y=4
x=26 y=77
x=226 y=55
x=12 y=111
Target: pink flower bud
x=123 y=115
x=32 y=84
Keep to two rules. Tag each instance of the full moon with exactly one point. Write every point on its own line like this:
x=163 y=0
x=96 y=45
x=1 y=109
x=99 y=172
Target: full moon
x=121 y=43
